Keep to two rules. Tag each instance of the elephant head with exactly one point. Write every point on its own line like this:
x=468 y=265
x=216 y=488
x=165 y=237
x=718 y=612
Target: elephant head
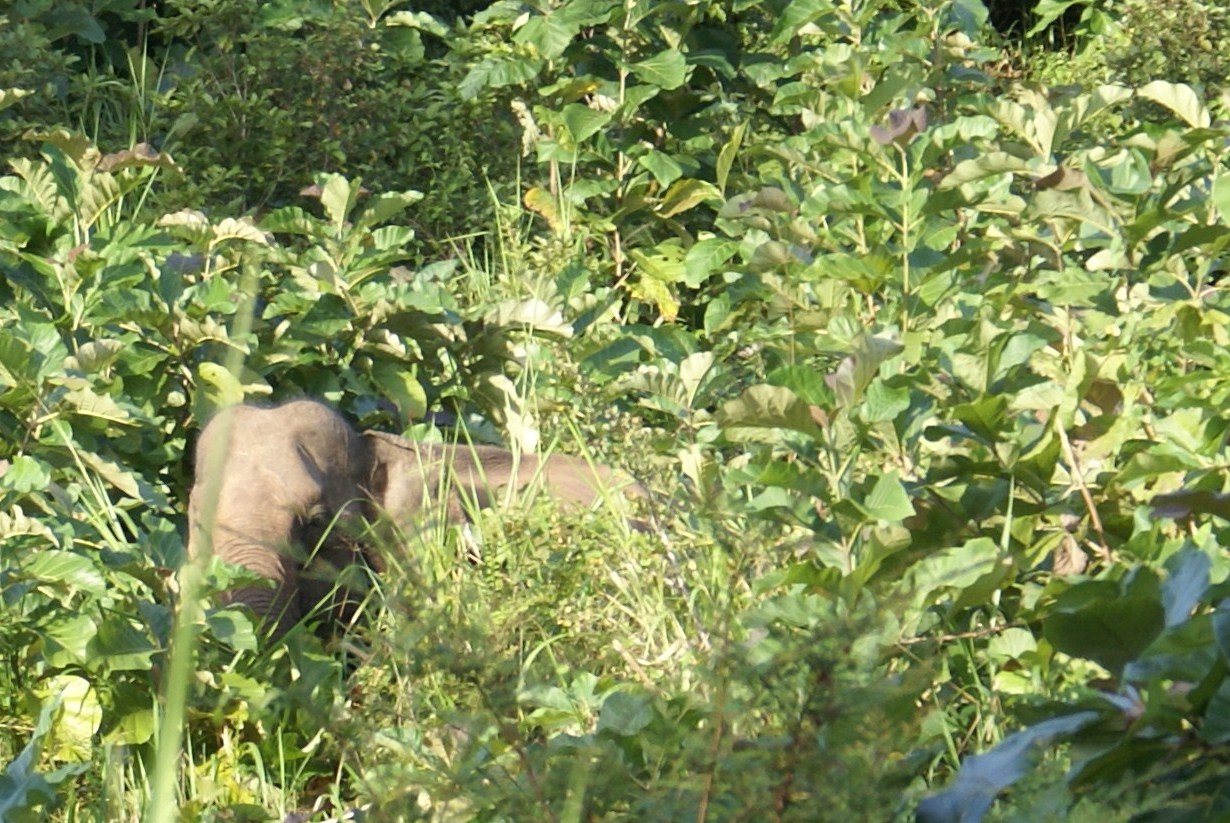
x=283 y=474
x=280 y=475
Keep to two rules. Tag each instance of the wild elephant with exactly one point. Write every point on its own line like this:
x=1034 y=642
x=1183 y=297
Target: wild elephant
x=296 y=479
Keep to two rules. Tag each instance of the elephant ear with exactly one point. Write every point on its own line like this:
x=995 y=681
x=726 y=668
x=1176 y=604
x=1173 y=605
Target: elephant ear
x=374 y=479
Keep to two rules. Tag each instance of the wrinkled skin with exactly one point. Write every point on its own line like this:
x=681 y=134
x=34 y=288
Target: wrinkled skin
x=286 y=474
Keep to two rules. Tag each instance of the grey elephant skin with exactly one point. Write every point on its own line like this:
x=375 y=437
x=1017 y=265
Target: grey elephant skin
x=295 y=482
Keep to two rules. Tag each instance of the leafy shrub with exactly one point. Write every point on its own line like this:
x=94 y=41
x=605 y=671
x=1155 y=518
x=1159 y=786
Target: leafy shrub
x=36 y=78
x=268 y=95
x=1180 y=42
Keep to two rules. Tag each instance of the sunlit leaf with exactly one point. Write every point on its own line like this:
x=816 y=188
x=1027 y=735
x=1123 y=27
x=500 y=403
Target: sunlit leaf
x=666 y=69
x=1180 y=98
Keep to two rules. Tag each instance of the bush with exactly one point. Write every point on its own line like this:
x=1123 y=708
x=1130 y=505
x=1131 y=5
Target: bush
x=267 y=96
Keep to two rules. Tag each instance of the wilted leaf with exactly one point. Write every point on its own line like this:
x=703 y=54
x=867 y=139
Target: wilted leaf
x=142 y=154
x=1063 y=178
x=543 y=203
x=1068 y=558
x=903 y=126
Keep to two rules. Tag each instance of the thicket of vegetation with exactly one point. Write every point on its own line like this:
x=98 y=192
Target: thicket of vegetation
x=917 y=337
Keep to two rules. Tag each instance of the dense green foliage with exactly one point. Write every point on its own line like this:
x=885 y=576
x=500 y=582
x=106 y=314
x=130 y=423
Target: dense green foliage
x=922 y=361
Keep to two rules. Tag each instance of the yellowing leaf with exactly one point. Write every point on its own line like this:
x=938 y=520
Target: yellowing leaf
x=543 y=203
x=687 y=194
x=77 y=718
x=655 y=292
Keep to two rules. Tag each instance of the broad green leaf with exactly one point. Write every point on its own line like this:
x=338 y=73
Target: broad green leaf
x=666 y=69
x=705 y=257
x=663 y=262
x=984 y=776
x=625 y=714
x=1048 y=11
x=217 y=388
x=694 y=371
x=1216 y=727
x=684 y=195
x=1221 y=629
x=121 y=646
x=69 y=568
x=550 y=34
x=24 y=474
x=1098 y=621
x=766 y=407
x=234 y=628
x=883 y=402
x=15 y=523
x=190 y=225
x=888 y=499
x=583 y=122
x=1181 y=99
x=662 y=166
x=726 y=157
x=796 y=15
x=497 y=73
x=291 y=220
x=856 y=371
x=67 y=637
x=85 y=401
x=1221 y=196
x=532 y=315
x=384 y=206
x=1183 y=590
x=1161 y=459
x=94 y=356
x=951 y=571
x=337 y=196
x=118 y=477
x=991 y=164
